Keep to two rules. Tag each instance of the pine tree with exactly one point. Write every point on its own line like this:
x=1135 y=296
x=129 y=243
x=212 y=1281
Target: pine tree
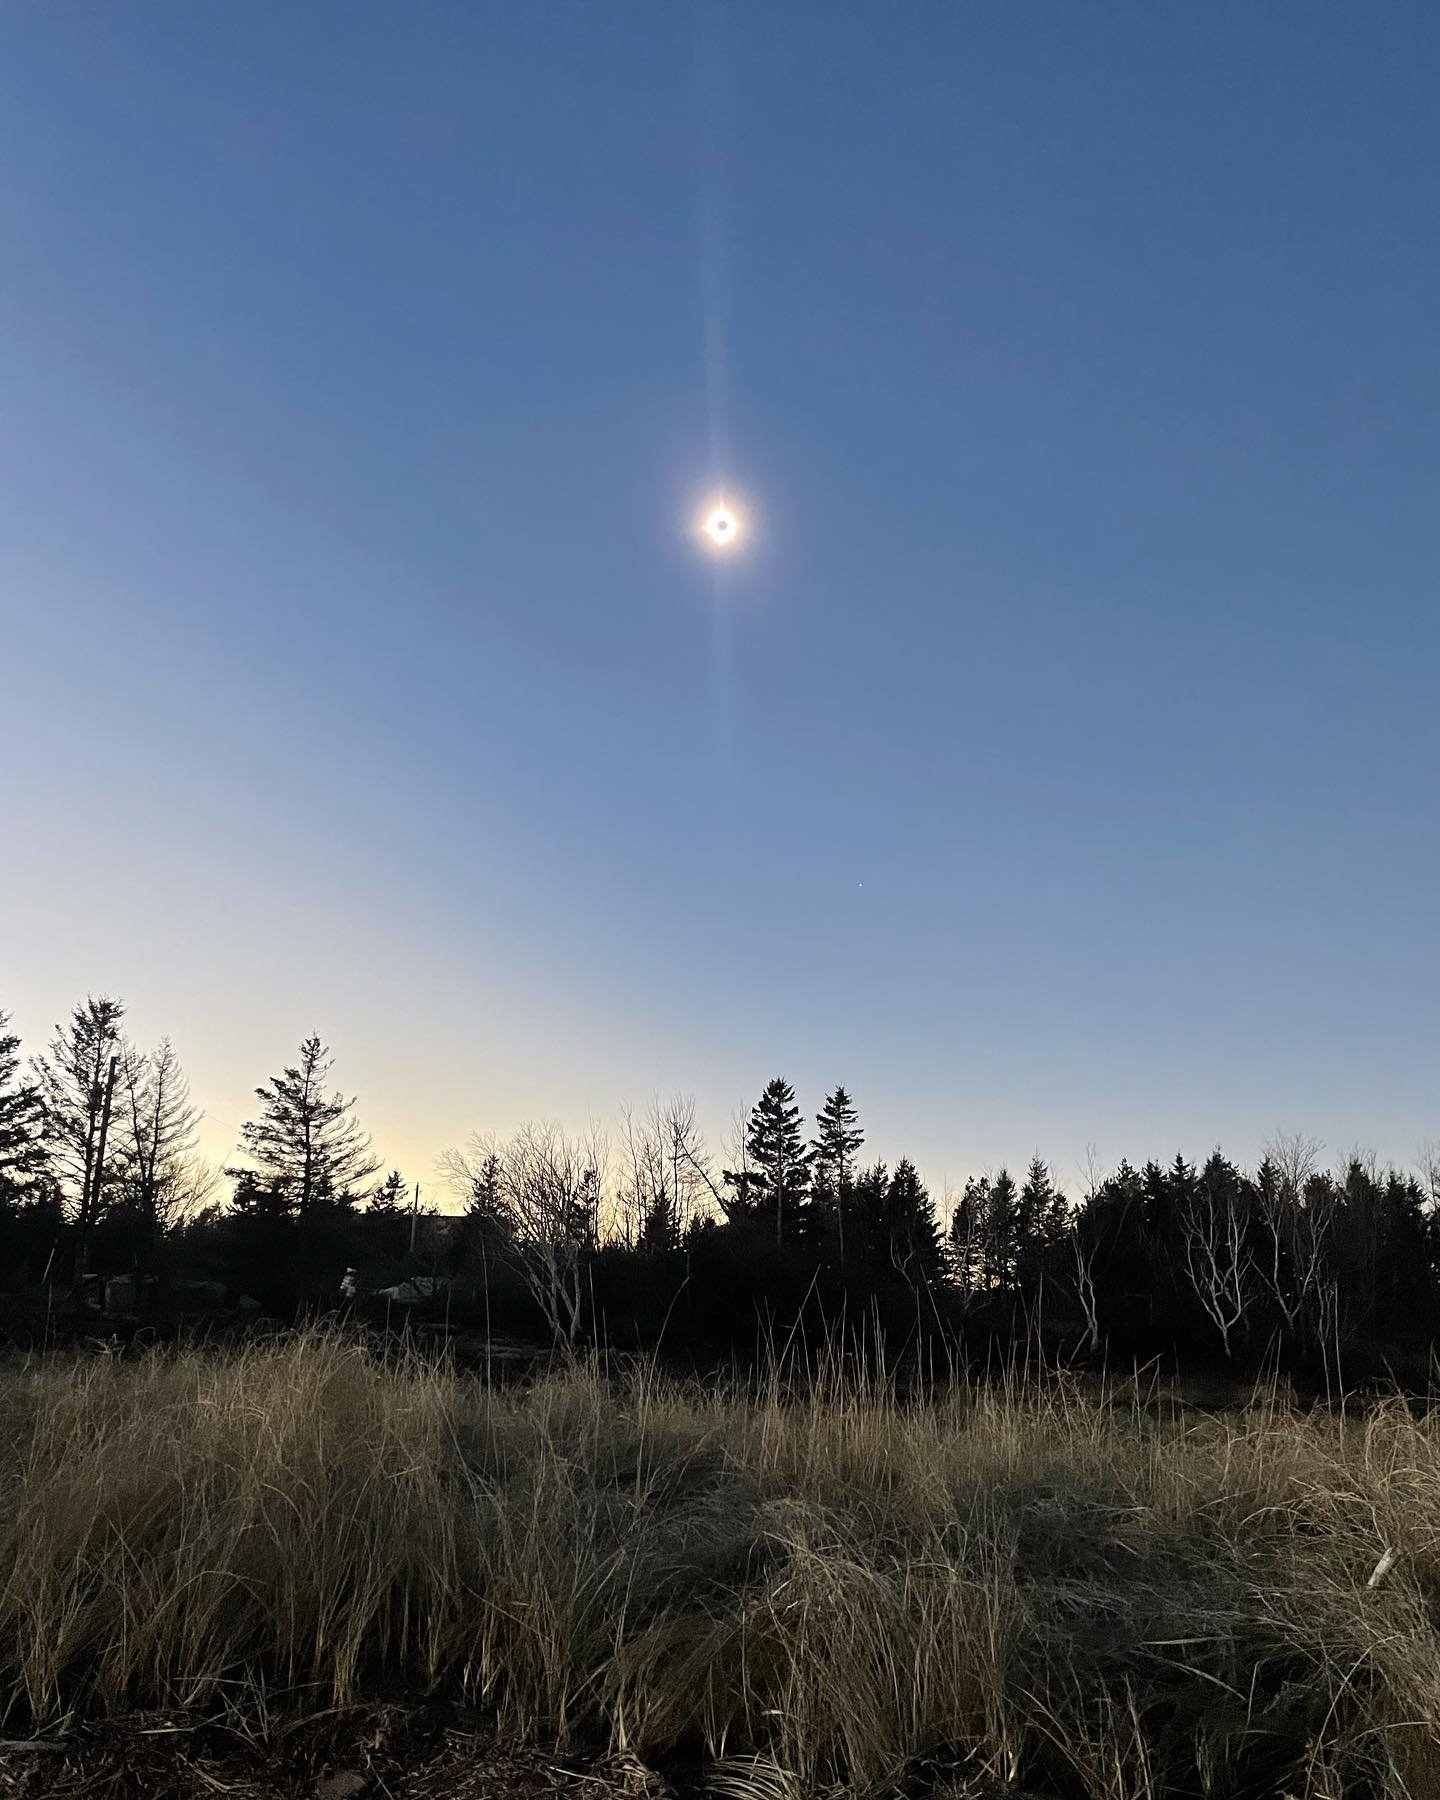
x=485 y=1227
x=1000 y=1230
x=391 y=1196
x=659 y=1229
x=487 y=1195
x=1039 y=1221
x=1131 y=1270
x=778 y=1177
x=962 y=1243
x=1168 y=1194
x=24 y=1160
x=155 y=1128
x=912 y=1236
x=73 y=1080
x=307 y=1146
x=387 y=1219
x=259 y=1197
x=833 y=1155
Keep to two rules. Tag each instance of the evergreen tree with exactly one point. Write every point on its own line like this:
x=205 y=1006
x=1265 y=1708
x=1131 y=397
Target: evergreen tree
x=255 y=1197
x=75 y=1081
x=306 y=1144
x=1039 y=1222
x=659 y=1229
x=774 y=1185
x=837 y=1138
x=391 y=1196
x=386 y=1220
x=1123 y=1192
x=261 y=1247
x=24 y=1159
x=1129 y=1246
x=963 y=1252
x=1157 y=1199
x=999 y=1231
x=487 y=1196
x=1169 y=1194
x=486 y=1228
x=912 y=1237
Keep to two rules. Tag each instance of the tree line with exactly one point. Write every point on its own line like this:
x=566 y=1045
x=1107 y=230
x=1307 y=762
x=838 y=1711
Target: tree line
x=646 y=1236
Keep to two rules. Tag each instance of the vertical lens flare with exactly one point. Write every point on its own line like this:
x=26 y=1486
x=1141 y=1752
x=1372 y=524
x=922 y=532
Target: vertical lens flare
x=721 y=526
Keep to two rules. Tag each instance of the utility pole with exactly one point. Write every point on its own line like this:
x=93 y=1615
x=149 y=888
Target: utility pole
x=414 y=1216
x=90 y=1196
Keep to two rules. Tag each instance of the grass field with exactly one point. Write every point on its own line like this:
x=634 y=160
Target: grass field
x=1074 y=1591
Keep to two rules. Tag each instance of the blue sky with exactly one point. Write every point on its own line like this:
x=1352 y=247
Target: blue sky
x=1055 y=761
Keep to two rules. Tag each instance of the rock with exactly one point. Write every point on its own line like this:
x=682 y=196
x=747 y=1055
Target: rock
x=341 y=1785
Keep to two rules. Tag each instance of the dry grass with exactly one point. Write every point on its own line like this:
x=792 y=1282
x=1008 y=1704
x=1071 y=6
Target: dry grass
x=1072 y=1591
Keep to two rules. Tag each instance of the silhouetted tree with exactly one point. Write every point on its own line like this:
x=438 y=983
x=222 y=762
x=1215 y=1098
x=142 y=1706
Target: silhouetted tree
x=75 y=1081
x=158 y=1178
x=993 y=1201
x=964 y=1247
x=911 y=1237
x=385 y=1222
x=255 y=1197
x=772 y=1187
x=665 y=1174
x=1112 y=1260
x=538 y=1197
x=837 y=1139
x=306 y=1143
x=1038 y=1225
x=24 y=1156
x=29 y=1199
x=659 y=1229
x=392 y=1195
x=1294 y=1215
x=259 y=1247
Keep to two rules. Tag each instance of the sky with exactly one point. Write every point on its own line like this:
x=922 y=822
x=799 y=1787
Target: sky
x=1053 y=763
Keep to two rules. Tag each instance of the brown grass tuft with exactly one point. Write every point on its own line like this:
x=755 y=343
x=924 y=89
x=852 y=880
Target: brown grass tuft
x=823 y=1591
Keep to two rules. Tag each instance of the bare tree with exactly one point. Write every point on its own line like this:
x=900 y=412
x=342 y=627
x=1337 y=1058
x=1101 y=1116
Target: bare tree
x=1430 y=1169
x=551 y=1191
x=1082 y=1254
x=1217 y=1260
x=1295 y=1158
x=1295 y=1222
x=666 y=1179
x=692 y=1183
x=643 y=1189
x=1362 y=1157
x=472 y=1169
x=160 y=1176
x=739 y=1171
x=1084 y=1278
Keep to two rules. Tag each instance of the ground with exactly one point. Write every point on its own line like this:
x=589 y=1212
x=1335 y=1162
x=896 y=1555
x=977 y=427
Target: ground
x=384 y=1755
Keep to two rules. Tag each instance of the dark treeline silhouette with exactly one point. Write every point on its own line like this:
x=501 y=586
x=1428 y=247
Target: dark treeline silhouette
x=648 y=1241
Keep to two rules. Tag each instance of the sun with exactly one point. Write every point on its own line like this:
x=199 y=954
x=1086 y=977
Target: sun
x=721 y=526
